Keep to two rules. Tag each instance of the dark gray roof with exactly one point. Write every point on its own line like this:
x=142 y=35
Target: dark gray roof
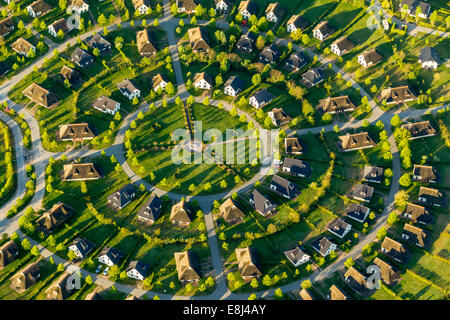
x=97 y=41
x=236 y=83
x=295 y=254
x=356 y=211
x=284 y=186
x=363 y=191
x=270 y=53
x=112 y=253
x=322 y=245
x=151 y=209
x=263 y=96
x=313 y=75
x=81 y=57
x=247 y=40
x=141 y=267
x=83 y=245
x=298 y=21
x=338 y=226
x=297 y=166
x=296 y=61
x=373 y=173
x=261 y=203
x=122 y=196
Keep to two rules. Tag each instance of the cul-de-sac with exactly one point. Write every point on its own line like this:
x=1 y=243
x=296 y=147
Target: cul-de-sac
x=224 y=149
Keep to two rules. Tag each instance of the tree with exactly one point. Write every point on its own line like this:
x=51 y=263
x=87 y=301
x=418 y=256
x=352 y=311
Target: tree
x=381 y=233
x=62 y=4
x=278 y=294
x=306 y=284
x=254 y=283
x=396 y=121
x=252 y=297
x=35 y=251
x=102 y=21
x=260 y=42
x=349 y=263
x=60 y=267
x=393 y=218
x=89 y=280
x=305 y=39
x=405 y=180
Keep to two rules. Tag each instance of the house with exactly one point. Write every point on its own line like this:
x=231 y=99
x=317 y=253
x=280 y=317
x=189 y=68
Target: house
x=128 y=89
x=293 y=146
x=333 y=105
x=305 y=295
x=141 y=6
x=98 y=42
x=296 y=167
x=61 y=289
x=131 y=297
x=40 y=96
x=269 y=54
x=362 y=192
x=357 y=212
x=336 y=294
x=77 y=6
x=388 y=274
x=145 y=43
x=110 y=256
x=26 y=277
x=53 y=218
x=80 y=172
x=8 y=253
x=394 y=249
x=417 y=214
x=106 y=105
x=261 y=203
x=222 y=6
x=279 y=117
x=369 y=58
x=247 y=9
x=122 y=197
x=339 y=228
x=198 y=38
x=421 y=129
x=429 y=58
x=59 y=25
x=355 y=280
x=159 y=82
x=415 y=7
x=74 y=77
x=248 y=263
x=187 y=267
x=38 y=8
x=425 y=174
x=414 y=235
x=4 y=68
x=295 y=62
x=373 y=174
x=6 y=26
x=341 y=46
x=203 y=81
x=81 y=58
x=246 y=42
x=138 y=270
x=233 y=86
x=230 y=211
x=150 y=211
x=284 y=187
x=312 y=77
x=296 y=22
x=181 y=214
x=323 y=30
x=81 y=247
x=261 y=98
x=297 y=256
x=432 y=197
x=396 y=95
x=75 y=132
x=188 y=6
x=323 y=246
x=356 y=141
x=22 y=47
x=274 y=12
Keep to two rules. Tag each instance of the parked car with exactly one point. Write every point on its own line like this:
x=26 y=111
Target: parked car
x=105 y=272
x=98 y=269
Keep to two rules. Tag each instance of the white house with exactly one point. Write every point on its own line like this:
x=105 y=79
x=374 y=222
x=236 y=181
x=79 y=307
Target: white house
x=222 y=5
x=77 y=6
x=297 y=256
x=369 y=58
x=58 y=25
x=429 y=58
x=110 y=256
x=296 y=22
x=128 y=89
x=233 y=86
x=323 y=30
x=107 y=105
x=203 y=81
x=38 y=8
x=159 y=82
x=274 y=12
x=81 y=247
x=141 y=6
x=138 y=270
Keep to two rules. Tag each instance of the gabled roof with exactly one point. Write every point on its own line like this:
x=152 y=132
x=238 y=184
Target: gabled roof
x=157 y=79
x=280 y=116
x=186 y=263
x=145 y=42
x=181 y=212
x=81 y=57
x=198 y=39
x=305 y=295
x=336 y=294
x=113 y=254
x=293 y=145
x=295 y=254
x=230 y=211
x=69 y=73
x=298 y=21
x=80 y=171
x=297 y=166
x=371 y=56
x=126 y=87
x=335 y=104
x=433 y=196
x=59 y=290
x=247 y=40
x=416 y=235
x=418 y=129
x=28 y=276
x=203 y=76
x=247 y=262
x=427 y=173
x=39 y=95
x=355 y=141
x=397 y=94
x=394 y=248
x=388 y=274
x=53 y=218
x=8 y=253
x=362 y=191
x=325 y=28
x=21 y=45
x=338 y=226
x=429 y=54
x=248 y=5
x=75 y=131
x=60 y=24
x=343 y=43
x=141 y=267
x=236 y=83
x=322 y=245
x=78 y=3
x=284 y=186
x=151 y=209
x=296 y=60
x=99 y=42
x=356 y=211
x=105 y=103
x=418 y=213
x=356 y=278
x=189 y=5
x=139 y=3
x=6 y=25
x=40 y=6
x=276 y=8
x=122 y=196
x=263 y=96
x=261 y=203
x=270 y=53
x=373 y=173
x=313 y=75
x=83 y=245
